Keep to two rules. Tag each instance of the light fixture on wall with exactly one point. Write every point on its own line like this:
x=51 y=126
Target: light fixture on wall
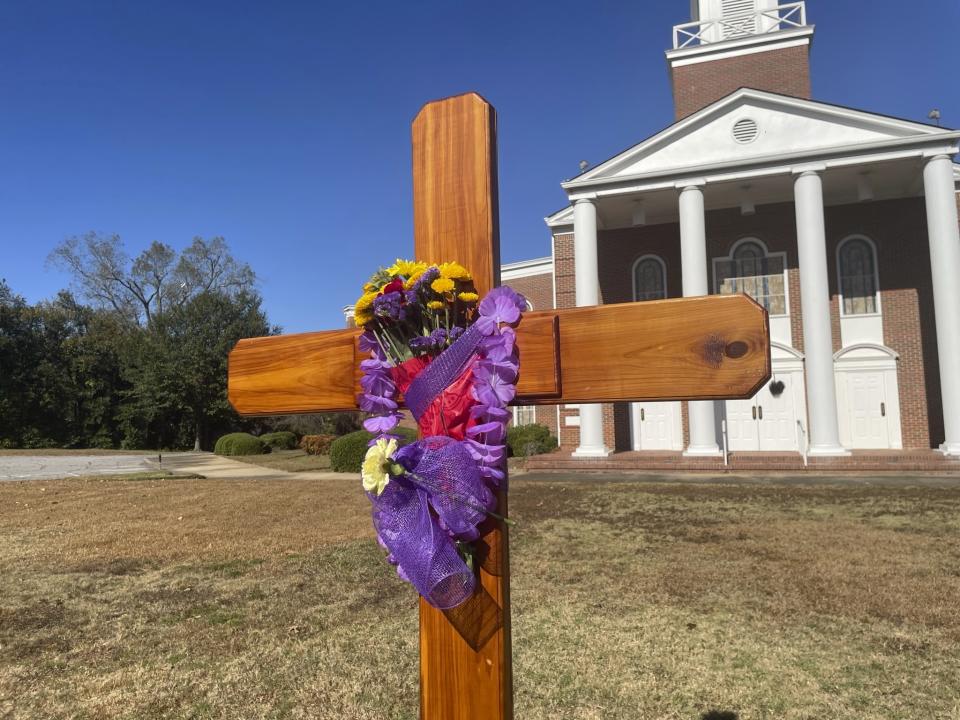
x=746 y=202
x=639 y=213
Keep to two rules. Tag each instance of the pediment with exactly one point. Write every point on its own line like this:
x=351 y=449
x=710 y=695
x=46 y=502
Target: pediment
x=752 y=125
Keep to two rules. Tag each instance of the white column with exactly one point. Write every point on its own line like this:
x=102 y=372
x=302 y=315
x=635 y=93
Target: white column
x=588 y=293
x=824 y=431
x=693 y=264
x=944 y=237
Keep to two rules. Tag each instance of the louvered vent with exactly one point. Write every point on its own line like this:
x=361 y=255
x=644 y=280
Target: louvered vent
x=745 y=131
x=739 y=17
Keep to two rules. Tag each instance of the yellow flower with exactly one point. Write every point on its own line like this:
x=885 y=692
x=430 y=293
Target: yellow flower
x=369 y=287
x=468 y=297
x=361 y=319
x=442 y=285
x=375 y=464
x=453 y=271
x=435 y=305
x=407 y=268
x=365 y=301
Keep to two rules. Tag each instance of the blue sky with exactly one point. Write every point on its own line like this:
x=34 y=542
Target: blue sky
x=284 y=127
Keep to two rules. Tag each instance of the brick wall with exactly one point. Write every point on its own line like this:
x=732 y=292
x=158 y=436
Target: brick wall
x=899 y=230
x=785 y=71
x=897 y=227
x=538 y=289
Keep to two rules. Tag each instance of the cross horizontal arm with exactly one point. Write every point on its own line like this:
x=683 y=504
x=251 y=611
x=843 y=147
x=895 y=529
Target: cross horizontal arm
x=707 y=348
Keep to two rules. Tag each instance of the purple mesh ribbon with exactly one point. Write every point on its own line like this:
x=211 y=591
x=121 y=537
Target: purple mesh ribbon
x=441 y=475
x=441 y=373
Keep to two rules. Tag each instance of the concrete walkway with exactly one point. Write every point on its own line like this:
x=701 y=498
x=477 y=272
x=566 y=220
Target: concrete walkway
x=221 y=468
x=48 y=467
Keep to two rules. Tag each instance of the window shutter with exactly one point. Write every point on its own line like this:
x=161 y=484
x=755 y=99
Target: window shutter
x=739 y=17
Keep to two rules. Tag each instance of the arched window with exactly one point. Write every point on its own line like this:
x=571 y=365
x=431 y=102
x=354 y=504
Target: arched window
x=649 y=278
x=857 y=275
x=752 y=270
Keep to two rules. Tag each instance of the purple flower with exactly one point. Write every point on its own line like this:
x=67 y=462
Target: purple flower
x=493 y=432
x=501 y=305
x=431 y=274
x=500 y=346
x=504 y=369
x=376 y=404
x=486 y=454
x=486 y=412
x=389 y=305
x=369 y=344
x=381 y=423
x=378 y=383
x=421 y=344
x=374 y=364
x=493 y=473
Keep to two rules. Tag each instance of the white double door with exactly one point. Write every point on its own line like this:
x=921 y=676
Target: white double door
x=768 y=420
x=656 y=426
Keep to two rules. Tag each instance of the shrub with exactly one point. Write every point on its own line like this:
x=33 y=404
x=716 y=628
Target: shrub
x=347 y=451
x=240 y=444
x=534 y=439
x=316 y=444
x=282 y=440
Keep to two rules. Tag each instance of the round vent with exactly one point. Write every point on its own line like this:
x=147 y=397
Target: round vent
x=745 y=131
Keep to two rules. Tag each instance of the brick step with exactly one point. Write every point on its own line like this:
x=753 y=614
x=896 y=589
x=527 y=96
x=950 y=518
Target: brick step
x=911 y=461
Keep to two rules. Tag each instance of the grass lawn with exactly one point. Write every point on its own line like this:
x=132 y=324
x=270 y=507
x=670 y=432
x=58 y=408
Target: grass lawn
x=270 y=599
x=287 y=460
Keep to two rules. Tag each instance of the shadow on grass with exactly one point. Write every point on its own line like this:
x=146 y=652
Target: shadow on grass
x=719 y=715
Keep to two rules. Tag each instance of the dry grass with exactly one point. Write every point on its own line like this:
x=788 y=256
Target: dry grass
x=269 y=599
x=287 y=460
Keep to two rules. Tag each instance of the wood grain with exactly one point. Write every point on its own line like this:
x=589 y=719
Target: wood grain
x=663 y=350
x=455 y=218
x=455 y=215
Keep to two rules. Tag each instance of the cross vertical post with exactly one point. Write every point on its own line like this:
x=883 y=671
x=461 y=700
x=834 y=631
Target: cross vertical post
x=465 y=654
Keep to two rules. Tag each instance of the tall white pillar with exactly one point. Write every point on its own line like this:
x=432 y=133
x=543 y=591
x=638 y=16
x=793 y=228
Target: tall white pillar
x=944 y=237
x=588 y=293
x=824 y=431
x=693 y=264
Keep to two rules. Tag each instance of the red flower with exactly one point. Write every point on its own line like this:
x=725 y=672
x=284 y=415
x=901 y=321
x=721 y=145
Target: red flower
x=392 y=286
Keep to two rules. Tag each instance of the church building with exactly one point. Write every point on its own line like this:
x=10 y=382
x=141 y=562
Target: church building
x=842 y=223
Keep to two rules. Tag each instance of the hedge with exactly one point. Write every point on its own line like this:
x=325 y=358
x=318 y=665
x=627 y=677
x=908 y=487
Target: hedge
x=240 y=444
x=347 y=451
x=283 y=440
x=317 y=444
x=533 y=439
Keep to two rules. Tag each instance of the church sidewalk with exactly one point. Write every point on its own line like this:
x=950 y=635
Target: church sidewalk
x=217 y=467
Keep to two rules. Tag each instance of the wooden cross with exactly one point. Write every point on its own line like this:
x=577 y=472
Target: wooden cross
x=690 y=349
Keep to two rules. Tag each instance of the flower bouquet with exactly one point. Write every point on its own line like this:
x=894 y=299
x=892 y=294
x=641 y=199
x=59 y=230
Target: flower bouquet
x=453 y=358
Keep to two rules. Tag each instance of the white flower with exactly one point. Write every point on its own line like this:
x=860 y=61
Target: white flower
x=375 y=464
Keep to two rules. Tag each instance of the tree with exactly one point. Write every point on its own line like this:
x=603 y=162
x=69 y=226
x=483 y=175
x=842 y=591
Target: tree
x=142 y=289
x=179 y=372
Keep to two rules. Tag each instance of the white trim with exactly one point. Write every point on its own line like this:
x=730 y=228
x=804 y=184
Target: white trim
x=739 y=47
x=663 y=270
x=789 y=349
x=526 y=268
x=917 y=131
x=876 y=276
x=553 y=273
x=889 y=352
x=767 y=253
x=764 y=165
